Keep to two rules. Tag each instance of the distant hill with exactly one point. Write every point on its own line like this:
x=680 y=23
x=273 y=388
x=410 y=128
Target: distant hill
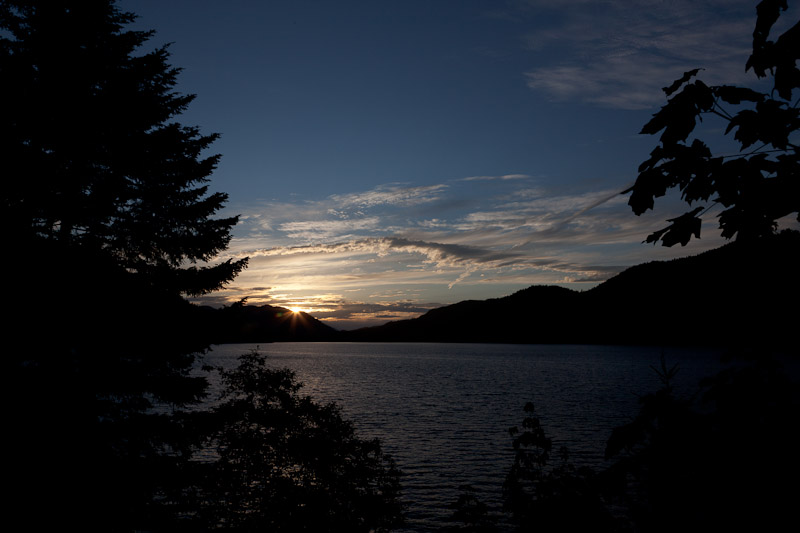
x=736 y=294
x=252 y=324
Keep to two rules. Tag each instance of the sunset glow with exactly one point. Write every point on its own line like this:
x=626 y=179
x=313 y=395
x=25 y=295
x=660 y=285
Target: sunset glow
x=378 y=176
x=302 y=265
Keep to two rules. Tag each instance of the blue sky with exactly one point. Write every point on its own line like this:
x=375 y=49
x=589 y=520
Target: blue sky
x=387 y=157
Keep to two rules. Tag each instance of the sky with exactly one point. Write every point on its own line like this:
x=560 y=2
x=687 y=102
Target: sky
x=389 y=157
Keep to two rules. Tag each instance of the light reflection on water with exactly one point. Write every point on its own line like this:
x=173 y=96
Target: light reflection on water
x=443 y=410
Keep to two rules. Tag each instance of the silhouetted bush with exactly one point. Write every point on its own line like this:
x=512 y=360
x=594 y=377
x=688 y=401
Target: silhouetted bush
x=470 y=515
x=723 y=460
x=543 y=496
x=282 y=462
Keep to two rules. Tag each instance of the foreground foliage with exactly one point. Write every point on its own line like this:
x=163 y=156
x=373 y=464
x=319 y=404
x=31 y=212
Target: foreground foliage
x=550 y=497
x=109 y=224
x=723 y=459
x=106 y=213
x=91 y=150
x=286 y=463
x=759 y=185
x=726 y=458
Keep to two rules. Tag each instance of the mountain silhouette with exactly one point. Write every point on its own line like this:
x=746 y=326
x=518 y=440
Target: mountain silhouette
x=742 y=295
x=241 y=323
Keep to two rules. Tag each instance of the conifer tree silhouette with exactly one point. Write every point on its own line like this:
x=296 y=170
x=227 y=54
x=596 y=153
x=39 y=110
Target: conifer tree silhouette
x=106 y=211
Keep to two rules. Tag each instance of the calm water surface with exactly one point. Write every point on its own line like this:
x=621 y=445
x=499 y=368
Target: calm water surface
x=443 y=410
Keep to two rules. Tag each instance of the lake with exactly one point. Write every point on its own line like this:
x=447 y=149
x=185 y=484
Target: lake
x=443 y=410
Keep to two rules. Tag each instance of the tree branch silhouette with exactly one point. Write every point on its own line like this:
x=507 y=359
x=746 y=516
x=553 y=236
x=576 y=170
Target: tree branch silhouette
x=755 y=191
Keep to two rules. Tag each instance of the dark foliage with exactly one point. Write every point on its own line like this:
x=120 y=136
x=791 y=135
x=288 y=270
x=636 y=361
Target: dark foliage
x=84 y=375
x=757 y=186
x=470 y=515
x=108 y=223
x=283 y=462
x=106 y=216
x=91 y=153
x=725 y=460
x=542 y=496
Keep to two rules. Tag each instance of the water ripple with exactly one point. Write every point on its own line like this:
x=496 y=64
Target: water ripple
x=443 y=410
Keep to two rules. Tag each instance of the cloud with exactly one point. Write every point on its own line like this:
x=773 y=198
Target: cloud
x=350 y=314
x=338 y=217
x=529 y=212
x=493 y=178
x=475 y=236
x=315 y=230
x=487 y=236
x=456 y=261
x=620 y=53
x=440 y=255
x=389 y=195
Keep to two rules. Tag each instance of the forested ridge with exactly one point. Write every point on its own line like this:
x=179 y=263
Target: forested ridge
x=724 y=291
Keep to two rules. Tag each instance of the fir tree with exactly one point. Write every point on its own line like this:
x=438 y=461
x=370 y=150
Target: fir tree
x=106 y=211
x=91 y=154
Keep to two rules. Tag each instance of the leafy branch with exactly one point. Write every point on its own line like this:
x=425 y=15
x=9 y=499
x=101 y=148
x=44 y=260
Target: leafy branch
x=756 y=187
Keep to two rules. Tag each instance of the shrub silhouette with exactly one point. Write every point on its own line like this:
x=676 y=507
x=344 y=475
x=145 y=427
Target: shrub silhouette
x=722 y=459
x=725 y=459
x=283 y=462
x=542 y=496
x=470 y=515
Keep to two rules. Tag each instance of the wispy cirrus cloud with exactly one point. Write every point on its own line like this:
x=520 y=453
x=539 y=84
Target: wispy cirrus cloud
x=439 y=255
x=337 y=217
x=504 y=177
x=315 y=230
x=505 y=235
x=498 y=218
x=620 y=53
x=394 y=195
x=389 y=260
